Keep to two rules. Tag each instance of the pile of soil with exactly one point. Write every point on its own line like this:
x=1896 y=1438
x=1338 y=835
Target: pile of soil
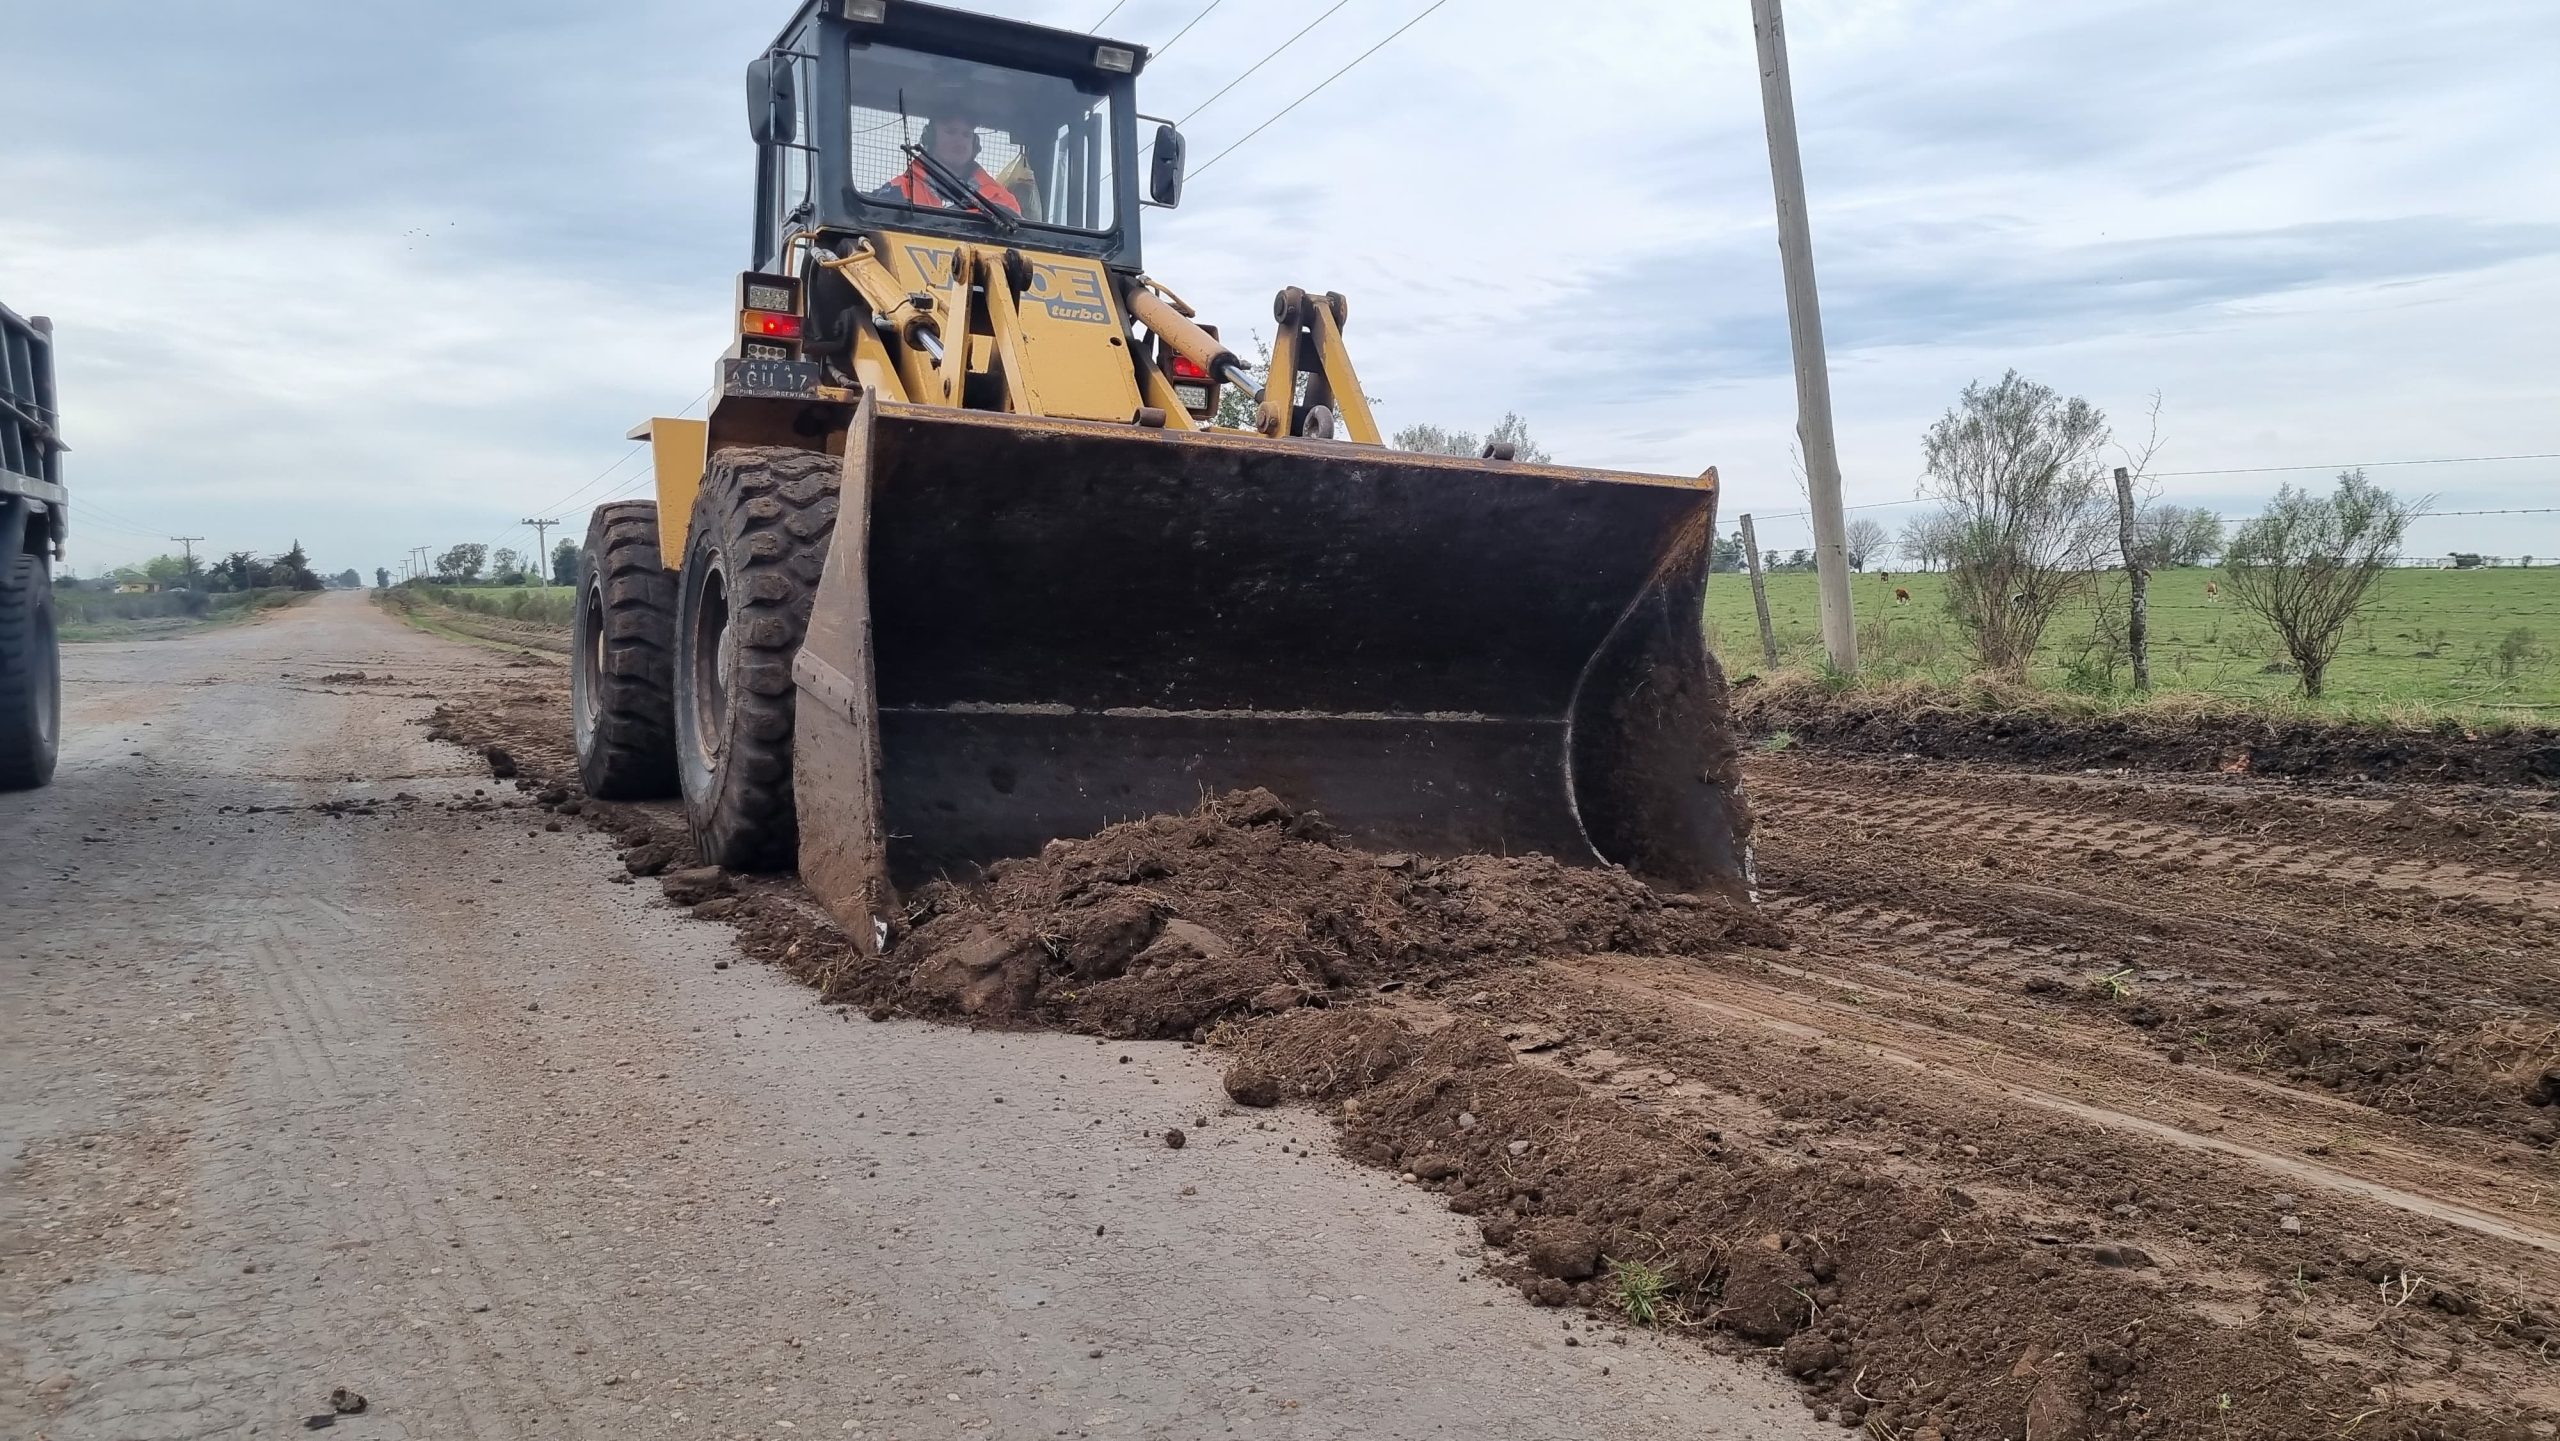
x=1167 y=926
x=1944 y=728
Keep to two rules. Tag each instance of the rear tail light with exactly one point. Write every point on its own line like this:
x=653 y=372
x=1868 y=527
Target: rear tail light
x=769 y=323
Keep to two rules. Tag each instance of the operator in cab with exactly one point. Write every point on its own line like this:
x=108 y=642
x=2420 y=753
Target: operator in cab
x=950 y=137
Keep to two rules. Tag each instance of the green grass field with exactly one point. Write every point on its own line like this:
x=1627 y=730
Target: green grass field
x=2483 y=641
x=92 y=615
x=541 y=605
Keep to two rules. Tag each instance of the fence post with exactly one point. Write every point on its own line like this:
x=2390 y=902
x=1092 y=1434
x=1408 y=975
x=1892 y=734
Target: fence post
x=2138 y=622
x=1759 y=595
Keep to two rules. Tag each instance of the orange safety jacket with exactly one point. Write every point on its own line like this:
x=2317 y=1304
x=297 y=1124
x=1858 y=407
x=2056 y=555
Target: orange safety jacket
x=919 y=190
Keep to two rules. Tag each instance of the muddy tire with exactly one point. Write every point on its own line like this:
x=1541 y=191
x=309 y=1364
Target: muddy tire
x=30 y=673
x=751 y=566
x=622 y=659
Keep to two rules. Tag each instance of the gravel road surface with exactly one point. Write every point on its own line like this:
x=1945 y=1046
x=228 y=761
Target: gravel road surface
x=324 y=1064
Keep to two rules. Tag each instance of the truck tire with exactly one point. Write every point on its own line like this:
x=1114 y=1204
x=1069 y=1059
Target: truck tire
x=623 y=657
x=30 y=673
x=751 y=565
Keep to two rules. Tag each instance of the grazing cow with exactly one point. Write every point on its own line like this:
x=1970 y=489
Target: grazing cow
x=2212 y=591
x=1901 y=596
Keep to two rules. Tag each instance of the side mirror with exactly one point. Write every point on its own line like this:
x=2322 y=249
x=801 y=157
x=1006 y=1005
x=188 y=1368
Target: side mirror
x=1164 y=176
x=773 y=101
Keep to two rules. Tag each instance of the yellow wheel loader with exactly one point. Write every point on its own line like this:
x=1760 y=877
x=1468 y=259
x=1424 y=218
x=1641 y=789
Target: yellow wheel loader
x=960 y=562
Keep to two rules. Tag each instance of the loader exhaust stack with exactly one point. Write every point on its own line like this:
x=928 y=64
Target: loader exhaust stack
x=1030 y=628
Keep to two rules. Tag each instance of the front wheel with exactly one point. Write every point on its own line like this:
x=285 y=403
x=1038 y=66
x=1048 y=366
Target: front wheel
x=621 y=657
x=30 y=673
x=752 y=561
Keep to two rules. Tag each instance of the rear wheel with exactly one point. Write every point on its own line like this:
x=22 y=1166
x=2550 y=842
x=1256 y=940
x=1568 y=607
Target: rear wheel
x=30 y=674
x=751 y=567
x=622 y=657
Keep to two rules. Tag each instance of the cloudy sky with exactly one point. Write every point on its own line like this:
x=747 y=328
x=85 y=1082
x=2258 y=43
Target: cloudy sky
x=377 y=275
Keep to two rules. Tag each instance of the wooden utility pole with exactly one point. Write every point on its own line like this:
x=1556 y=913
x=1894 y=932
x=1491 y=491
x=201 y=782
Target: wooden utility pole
x=542 y=556
x=189 y=541
x=1759 y=594
x=1804 y=328
x=2137 y=629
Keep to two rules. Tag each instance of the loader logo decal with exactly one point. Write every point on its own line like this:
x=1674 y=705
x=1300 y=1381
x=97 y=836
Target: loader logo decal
x=1071 y=292
x=1067 y=291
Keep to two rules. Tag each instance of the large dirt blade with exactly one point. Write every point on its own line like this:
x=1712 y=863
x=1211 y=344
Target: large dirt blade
x=1033 y=628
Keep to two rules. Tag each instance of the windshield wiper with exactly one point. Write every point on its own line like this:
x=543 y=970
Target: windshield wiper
x=958 y=191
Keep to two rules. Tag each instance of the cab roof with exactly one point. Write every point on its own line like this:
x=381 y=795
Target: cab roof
x=992 y=38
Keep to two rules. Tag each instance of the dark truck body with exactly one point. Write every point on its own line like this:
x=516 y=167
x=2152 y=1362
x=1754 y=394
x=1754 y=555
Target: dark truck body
x=30 y=434
x=34 y=521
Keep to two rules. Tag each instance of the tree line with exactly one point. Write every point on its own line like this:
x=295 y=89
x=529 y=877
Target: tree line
x=472 y=563
x=289 y=569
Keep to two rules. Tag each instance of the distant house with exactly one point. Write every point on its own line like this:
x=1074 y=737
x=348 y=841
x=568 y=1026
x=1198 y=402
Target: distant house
x=135 y=587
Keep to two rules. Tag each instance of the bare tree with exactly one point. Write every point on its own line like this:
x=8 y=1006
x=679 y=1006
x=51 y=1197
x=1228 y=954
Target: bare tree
x=2307 y=565
x=1434 y=440
x=2166 y=536
x=1867 y=540
x=2026 y=508
x=1928 y=541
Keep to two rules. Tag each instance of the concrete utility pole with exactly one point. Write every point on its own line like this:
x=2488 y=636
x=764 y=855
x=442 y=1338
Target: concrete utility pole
x=541 y=552
x=1804 y=327
x=189 y=541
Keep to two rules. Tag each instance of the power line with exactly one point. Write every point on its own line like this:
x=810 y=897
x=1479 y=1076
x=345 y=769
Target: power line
x=555 y=507
x=1185 y=30
x=1106 y=16
x=2362 y=465
x=1320 y=85
x=1274 y=54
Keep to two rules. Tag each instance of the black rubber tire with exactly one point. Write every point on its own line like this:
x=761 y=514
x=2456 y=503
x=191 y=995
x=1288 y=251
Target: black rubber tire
x=751 y=565
x=30 y=674
x=622 y=659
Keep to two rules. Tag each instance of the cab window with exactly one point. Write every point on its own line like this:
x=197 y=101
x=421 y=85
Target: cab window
x=1043 y=140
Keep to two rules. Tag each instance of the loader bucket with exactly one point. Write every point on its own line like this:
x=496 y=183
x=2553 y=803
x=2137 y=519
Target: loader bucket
x=1033 y=628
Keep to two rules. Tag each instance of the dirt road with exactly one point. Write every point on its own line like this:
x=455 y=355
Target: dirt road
x=326 y=1061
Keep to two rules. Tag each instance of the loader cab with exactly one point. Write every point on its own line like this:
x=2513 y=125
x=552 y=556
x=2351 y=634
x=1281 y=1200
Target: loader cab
x=853 y=89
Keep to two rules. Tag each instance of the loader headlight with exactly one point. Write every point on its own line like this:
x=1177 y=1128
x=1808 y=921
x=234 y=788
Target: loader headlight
x=866 y=12
x=1115 y=57
x=770 y=297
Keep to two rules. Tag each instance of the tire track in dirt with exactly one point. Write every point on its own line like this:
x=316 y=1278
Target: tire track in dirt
x=2421 y=988
x=2183 y=847
x=2394 y=1171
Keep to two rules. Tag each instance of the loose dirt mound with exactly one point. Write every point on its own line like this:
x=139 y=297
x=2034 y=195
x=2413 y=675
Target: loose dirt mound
x=1164 y=927
x=1943 y=727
